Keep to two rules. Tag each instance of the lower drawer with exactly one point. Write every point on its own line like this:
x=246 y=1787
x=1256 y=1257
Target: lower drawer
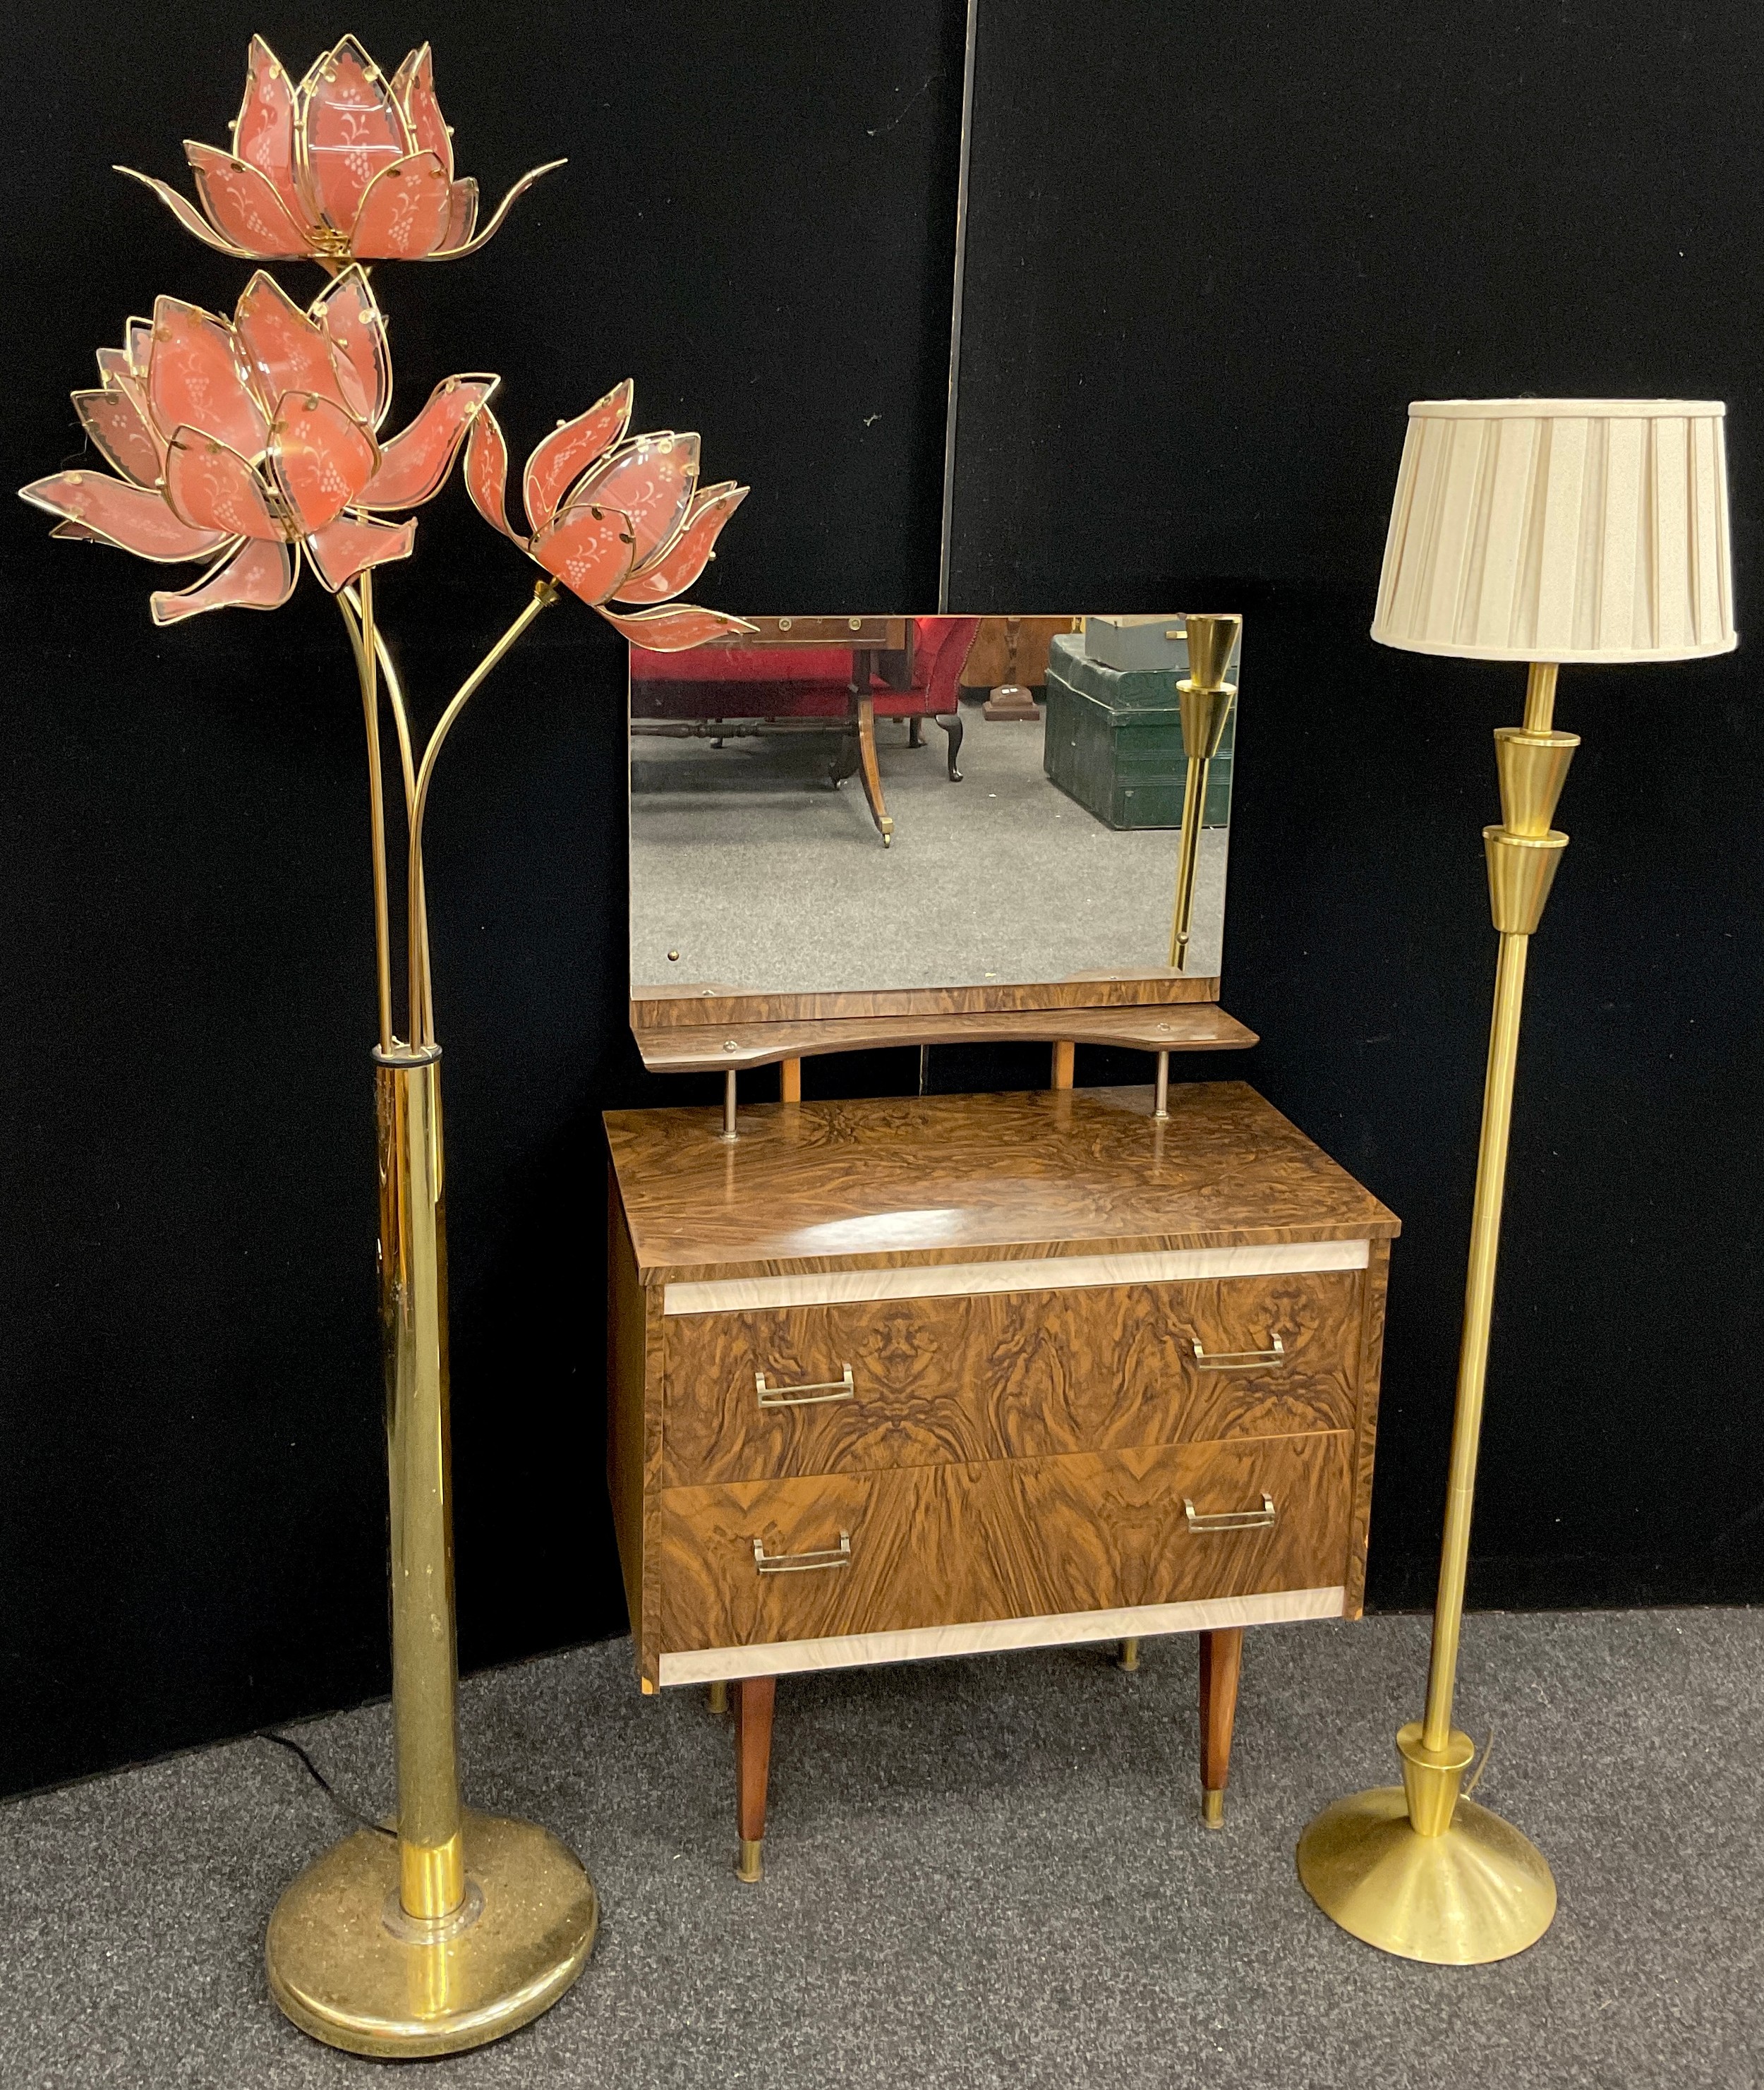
x=1005 y=1539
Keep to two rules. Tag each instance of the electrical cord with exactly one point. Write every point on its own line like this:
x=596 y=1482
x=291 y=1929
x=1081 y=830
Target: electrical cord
x=329 y=1790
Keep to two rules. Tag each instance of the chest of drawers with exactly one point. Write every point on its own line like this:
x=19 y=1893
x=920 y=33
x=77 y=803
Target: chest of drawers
x=903 y=1377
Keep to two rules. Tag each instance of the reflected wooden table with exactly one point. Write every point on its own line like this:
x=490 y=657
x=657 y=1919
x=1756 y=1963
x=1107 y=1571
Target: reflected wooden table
x=869 y=638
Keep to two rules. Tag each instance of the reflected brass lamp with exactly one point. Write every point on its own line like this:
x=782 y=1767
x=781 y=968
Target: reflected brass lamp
x=1546 y=530
x=1203 y=699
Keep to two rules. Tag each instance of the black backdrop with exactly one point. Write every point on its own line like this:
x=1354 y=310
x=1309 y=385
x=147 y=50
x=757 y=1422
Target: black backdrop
x=1210 y=258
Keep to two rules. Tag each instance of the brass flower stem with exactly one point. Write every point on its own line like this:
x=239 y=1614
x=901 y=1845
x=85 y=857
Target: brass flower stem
x=421 y=997
x=394 y=689
x=361 y=644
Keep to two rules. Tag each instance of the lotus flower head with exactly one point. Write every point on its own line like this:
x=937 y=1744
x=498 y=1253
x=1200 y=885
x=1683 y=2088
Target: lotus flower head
x=616 y=518
x=346 y=166
x=254 y=441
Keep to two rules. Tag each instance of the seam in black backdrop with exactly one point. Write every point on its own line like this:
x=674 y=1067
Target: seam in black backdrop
x=1212 y=253
x=1211 y=257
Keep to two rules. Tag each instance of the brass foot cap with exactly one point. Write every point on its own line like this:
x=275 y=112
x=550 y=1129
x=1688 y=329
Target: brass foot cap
x=1129 y=1657
x=1213 y=1806
x=717 y=1697
x=748 y=1866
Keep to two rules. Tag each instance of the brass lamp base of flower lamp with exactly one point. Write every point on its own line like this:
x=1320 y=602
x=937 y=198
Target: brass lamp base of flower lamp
x=460 y=1926
x=351 y=1969
x=1415 y=1869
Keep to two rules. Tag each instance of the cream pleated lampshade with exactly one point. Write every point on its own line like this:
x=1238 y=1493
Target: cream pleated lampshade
x=1560 y=530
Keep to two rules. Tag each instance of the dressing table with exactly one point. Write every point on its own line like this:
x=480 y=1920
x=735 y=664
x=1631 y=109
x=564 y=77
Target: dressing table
x=943 y=1374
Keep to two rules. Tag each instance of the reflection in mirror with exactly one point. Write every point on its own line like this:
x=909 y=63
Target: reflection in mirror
x=796 y=830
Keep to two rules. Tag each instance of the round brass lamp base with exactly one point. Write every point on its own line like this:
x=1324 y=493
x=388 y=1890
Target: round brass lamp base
x=344 y=1966
x=1481 y=1891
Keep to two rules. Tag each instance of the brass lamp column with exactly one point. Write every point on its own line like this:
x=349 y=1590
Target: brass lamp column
x=1551 y=529
x=1204 y=700
x=453 y=1927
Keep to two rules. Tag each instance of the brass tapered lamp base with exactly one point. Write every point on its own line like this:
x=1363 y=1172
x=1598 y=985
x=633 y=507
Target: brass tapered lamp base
x=349 y=1967
x=1480 y=1891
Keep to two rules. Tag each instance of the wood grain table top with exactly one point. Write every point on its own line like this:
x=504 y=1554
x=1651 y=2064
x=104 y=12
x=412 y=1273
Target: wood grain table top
x=890 y=1181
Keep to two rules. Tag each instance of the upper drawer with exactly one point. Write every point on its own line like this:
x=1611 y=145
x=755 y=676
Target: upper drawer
x=886 y=1382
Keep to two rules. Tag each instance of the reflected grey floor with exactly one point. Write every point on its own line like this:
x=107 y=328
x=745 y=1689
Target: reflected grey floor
x=988 y=1872
x=760 y=877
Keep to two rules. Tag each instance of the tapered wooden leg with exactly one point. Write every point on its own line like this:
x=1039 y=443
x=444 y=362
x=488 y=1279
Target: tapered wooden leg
x=869 y=771
x=1221 y=1665
x=790 y=1080
x=755 y=1697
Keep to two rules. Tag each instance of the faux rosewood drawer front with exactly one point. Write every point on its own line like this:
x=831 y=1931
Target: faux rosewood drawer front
x=952 y=1544
x=853 y=1388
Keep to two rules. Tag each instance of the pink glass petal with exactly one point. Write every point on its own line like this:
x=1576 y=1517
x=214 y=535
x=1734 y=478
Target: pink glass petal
x=263 y=131
x=138 y=341
x=487 y=473
x=212 y=488
x=590 y=551
x=259 y=576
x=121 y=435
x=675 y=630
x=244 y=204
x=195 y=379
x=348 y=128
x=404 y=213
x=321 y=457
x=568 y=451
x=132 y=516
x=471 y=244
x=690 y=551
x=287 y=351
x=652 y=480
x=113 y=363
x=346 y=547
x=188 y=216
x=413 y=89
x=348 y=314
x=414 y=466
x=77 y=533
x=462 y=216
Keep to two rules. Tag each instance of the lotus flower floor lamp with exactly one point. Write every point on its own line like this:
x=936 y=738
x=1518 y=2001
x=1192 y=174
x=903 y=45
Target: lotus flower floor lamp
x=254 y=446
x=1557 y=532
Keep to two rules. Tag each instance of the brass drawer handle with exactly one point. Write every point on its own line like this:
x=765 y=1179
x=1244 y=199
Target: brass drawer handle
x=1271 y=1359
x=1233 y=1520
x=804 y=1396
x=797 y=1563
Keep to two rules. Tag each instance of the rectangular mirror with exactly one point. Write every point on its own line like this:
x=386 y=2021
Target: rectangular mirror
x=899 y=813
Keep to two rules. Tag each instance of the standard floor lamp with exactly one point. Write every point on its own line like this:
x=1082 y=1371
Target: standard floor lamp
x=1551 y=531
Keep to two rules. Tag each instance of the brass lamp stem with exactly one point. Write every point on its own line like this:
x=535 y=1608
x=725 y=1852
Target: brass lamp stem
x=361 y=644
x=421 y=991
x=1485 y=1248
x=1473 y=1354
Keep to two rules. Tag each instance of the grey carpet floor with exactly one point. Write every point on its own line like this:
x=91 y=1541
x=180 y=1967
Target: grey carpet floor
x=980 y=1872
x=761 y=878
